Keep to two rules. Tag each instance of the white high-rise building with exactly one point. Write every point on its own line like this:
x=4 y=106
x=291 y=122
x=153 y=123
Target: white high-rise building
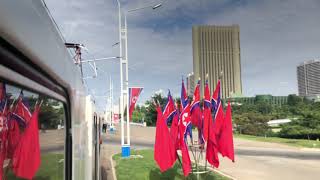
x=308 y=74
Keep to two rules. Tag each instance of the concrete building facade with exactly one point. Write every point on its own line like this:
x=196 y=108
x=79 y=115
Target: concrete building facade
x=308 y=75
x=190 y=84
x=216 y=52
x=266 y=98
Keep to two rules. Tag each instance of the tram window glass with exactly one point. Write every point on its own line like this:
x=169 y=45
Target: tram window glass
x=20 y=150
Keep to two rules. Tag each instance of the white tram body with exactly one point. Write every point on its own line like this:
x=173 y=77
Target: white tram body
x=33 y=56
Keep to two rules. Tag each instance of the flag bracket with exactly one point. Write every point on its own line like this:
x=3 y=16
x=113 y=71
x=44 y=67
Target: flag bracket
x=198 y=152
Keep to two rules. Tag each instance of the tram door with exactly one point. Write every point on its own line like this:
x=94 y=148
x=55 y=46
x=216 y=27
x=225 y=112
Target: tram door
x=95 y=147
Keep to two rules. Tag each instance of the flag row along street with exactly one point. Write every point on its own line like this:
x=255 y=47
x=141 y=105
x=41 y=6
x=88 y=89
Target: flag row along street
x=213 y=123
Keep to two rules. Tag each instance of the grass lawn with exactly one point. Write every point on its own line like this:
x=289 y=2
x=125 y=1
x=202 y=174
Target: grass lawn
x=50 y=168
x=291 y=142
x=145 y=168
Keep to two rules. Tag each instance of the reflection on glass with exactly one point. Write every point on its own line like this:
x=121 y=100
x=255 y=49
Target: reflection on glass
x=31 y=135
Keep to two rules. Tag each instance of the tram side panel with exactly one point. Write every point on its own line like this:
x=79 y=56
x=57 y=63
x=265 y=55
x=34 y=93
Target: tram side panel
x=79 y=131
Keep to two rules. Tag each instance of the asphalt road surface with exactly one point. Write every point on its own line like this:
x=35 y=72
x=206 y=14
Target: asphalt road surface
x=254 y=160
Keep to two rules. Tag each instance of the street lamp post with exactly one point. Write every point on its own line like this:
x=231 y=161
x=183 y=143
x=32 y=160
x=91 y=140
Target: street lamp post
x=124 y=82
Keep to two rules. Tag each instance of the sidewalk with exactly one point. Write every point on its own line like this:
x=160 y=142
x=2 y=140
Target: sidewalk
x=107 y=151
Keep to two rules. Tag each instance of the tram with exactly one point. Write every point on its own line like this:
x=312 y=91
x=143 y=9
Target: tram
x=35 y=61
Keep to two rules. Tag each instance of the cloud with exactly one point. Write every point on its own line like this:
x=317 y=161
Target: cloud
x=275 y=37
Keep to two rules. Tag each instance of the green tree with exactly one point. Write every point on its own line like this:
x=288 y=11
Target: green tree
x=251 y=123
x=151 y=114
x=51 y=114
x=138 y=115
x=307 y=126
x=264 y=107
x=294 y=100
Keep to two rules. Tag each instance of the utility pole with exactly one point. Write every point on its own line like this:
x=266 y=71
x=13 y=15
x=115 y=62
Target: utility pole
x=111 y=102
x=124 y=76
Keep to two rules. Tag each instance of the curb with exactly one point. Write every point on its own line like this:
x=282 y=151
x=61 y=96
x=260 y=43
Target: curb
x=219 y=172
x=310 y=149
x=223 y=174
x=112 y=167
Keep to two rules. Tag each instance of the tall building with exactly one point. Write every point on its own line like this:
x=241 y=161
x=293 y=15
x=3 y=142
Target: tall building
x=216 y=52
x=308 y=74
x=190 y=84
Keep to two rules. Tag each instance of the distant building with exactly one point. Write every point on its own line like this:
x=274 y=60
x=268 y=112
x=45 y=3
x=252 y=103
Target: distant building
x=308 y=74
x=314 y=98
x=277 y=122
x=273 y=100
x=190 y=84
x=216 y=49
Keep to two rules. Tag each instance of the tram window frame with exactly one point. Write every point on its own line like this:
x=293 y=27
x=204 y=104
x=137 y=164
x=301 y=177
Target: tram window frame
x=12 y=58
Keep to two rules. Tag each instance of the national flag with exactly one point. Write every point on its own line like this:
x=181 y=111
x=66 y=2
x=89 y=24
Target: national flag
x=134 y=93
x=216 y=97
x=212 y=147
x=164 y=150
x=217 y=109
x=184 y=103
x=21 y=112
x=226 y=147
x=196 y=114
x=174 y=130
x=214 y=128
x=26 y=159
x=20 y=117
x=169 y=109
x=207 y=117
x=3 y=106
x=185 y=120
x=3 y=99
x=189 y=132
x=184 y=96
x=116 y=118
x=3 y=126
x=195 y=107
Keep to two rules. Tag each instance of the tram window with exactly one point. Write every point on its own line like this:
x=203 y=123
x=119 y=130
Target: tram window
x=20 y=150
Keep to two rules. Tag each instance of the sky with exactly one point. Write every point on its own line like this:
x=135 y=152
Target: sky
x=275 y=37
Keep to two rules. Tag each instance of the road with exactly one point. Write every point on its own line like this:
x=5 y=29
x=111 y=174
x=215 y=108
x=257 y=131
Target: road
x=254 y=160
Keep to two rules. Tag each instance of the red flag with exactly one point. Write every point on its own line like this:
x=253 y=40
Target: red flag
x=212 y=147
x=217 y=109
x=169 y=109
x=133 y=96
x=214 y=128
x=26 y=160
x=185 y=120
x=164 y=149
x=195 y=107
x=218 y=120
x=185 y=103
x=115 y=118
x=174 y=130
x=226 y=147
x=18 y=118
x=206 y=112
x=3 y=126
x=13 y=137
x=3 y=98
x=21 y=113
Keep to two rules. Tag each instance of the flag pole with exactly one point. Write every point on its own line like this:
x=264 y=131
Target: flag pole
x=205 y=145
